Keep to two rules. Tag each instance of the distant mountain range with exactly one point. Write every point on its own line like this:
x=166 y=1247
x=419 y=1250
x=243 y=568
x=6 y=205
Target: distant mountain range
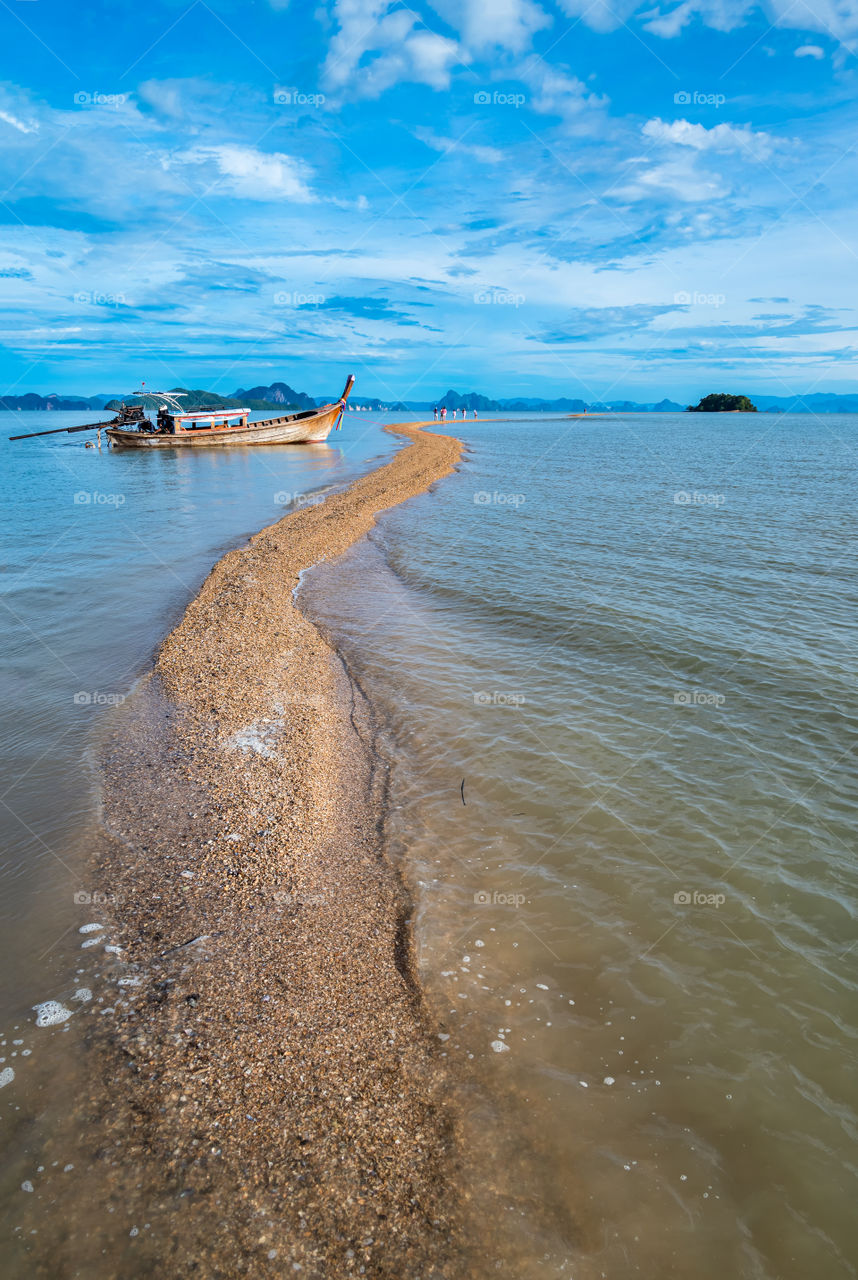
x=209 y=400
x=819 y=402
x=32 y=401
x=282 y=394
x=279 y=395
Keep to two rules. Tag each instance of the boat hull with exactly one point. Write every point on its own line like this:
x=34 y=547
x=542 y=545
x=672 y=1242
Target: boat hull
x=294 y=428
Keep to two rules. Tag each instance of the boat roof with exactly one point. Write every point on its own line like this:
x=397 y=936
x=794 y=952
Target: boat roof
x=213 y=413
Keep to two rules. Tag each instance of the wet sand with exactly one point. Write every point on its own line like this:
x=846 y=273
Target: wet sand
x=276 y=1064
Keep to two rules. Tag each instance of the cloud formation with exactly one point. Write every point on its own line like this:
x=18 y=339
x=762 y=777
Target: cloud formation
x=377 y=45
x=253 y=174
x=719 y=137
x=545 y=149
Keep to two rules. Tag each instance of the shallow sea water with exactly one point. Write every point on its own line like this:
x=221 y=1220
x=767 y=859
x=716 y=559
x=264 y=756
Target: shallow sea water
x=101 y=554
x=614 y=666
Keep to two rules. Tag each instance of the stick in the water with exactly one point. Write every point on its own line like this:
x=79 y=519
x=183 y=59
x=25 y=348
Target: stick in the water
x=56 y=431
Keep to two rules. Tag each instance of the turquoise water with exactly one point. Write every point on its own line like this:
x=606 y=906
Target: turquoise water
x=629 y=645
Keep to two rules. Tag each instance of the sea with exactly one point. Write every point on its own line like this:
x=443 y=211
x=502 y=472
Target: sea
x=612 y=664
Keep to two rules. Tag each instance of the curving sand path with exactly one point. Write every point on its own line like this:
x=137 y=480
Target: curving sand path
x=277 y=1060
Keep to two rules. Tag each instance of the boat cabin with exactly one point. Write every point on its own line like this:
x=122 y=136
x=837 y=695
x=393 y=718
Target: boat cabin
x=202 y=420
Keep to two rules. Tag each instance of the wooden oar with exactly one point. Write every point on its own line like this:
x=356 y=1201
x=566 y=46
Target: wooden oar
x=56 y=431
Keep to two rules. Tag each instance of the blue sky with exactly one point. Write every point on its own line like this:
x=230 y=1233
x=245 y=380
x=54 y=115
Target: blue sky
x=597 y=199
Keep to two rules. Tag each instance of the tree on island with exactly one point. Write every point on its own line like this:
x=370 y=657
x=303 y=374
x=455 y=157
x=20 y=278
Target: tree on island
x=718 y=402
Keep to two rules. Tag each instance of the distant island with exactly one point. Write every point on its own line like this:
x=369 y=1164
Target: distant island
x=718 y=402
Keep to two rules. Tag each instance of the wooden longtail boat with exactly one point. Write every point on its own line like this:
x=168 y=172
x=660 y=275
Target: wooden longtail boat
x=176 y=428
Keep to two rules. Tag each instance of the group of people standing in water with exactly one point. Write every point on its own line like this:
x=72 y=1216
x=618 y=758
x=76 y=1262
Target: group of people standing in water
x=443 y=412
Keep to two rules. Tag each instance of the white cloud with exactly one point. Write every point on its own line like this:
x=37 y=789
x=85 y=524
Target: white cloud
x=810 y=51
x=677 y=179
x=486 y=24
x=20 y=125
x=668 y=25
x=837 y=18
x=255 y=175
x=452 y=146
x=722 y=15
x=721 y=137
x=557 y=93
x=430 y=57
x=601 y=15
x=375 y=48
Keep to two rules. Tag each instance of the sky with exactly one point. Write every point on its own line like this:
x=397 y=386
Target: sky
x=592 y=198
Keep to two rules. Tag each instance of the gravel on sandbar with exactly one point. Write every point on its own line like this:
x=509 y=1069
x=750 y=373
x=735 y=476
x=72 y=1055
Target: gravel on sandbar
x=276 y=1073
